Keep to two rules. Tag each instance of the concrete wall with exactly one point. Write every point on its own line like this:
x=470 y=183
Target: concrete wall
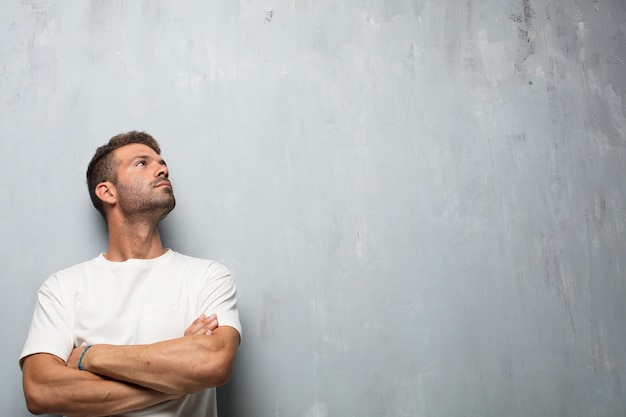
x=423 y=200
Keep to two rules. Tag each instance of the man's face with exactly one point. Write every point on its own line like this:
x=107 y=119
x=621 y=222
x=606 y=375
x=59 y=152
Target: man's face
x=142 y=184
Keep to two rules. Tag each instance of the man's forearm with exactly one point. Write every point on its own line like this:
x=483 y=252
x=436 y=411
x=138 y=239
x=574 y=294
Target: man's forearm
x=53 y=388
x=109 y=397
x=178 y=366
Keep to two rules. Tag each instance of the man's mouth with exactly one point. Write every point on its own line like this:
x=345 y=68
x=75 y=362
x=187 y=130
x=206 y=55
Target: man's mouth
x=163 y=183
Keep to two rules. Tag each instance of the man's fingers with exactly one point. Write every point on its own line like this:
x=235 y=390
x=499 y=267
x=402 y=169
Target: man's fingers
x=195 y=326
x=211 y=324
x=202 y=325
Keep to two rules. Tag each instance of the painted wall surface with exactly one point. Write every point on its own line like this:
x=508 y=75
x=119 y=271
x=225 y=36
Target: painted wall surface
x=423 y=200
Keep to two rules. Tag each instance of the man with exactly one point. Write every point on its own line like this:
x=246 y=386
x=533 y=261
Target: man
x=133 y=332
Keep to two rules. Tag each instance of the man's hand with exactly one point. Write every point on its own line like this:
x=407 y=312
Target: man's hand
x=203 y=325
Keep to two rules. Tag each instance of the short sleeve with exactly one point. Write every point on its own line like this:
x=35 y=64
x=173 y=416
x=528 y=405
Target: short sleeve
x=219 y=296
x=50 y=329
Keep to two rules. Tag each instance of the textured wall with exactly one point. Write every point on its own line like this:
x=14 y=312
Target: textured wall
x=423 y=200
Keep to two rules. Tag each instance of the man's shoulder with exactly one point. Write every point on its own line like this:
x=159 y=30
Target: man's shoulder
x=70 y=274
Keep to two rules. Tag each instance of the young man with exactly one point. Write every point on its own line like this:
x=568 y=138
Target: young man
x=133 y=332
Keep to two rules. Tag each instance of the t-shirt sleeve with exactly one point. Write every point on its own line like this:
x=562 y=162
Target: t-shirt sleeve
x=219 y=296
x=50 y=328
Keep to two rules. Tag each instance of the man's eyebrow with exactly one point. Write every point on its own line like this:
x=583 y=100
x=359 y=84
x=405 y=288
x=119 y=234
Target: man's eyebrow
x=160 y=160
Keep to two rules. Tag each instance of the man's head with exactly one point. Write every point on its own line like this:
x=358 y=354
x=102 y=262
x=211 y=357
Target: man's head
x=109 y=159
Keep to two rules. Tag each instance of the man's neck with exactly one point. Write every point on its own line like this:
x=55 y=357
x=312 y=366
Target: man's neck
x=133 y=241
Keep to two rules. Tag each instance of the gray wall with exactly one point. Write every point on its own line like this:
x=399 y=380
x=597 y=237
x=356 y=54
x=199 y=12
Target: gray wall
x=423 y=200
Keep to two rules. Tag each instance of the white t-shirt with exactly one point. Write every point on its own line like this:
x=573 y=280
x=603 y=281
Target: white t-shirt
x=137 y=301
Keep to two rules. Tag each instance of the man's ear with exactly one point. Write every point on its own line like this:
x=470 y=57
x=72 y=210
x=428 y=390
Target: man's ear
x=106 y=192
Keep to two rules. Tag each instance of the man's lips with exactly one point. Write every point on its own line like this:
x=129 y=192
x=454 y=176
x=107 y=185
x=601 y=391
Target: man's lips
x=164 y=183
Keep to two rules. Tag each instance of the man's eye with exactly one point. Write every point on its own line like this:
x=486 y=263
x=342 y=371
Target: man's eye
x=142 y=163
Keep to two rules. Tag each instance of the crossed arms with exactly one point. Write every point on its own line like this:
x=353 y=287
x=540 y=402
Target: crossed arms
x=119 y=379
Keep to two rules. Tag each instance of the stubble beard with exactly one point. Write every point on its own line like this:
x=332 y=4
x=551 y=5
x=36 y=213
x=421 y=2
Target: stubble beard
x=150 y=206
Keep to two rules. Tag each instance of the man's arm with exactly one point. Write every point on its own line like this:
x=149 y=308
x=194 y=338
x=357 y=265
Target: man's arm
x=51 y=386
x=178 y=366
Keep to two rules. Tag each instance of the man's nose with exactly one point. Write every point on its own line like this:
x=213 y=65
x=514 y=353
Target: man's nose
x=163 y=171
